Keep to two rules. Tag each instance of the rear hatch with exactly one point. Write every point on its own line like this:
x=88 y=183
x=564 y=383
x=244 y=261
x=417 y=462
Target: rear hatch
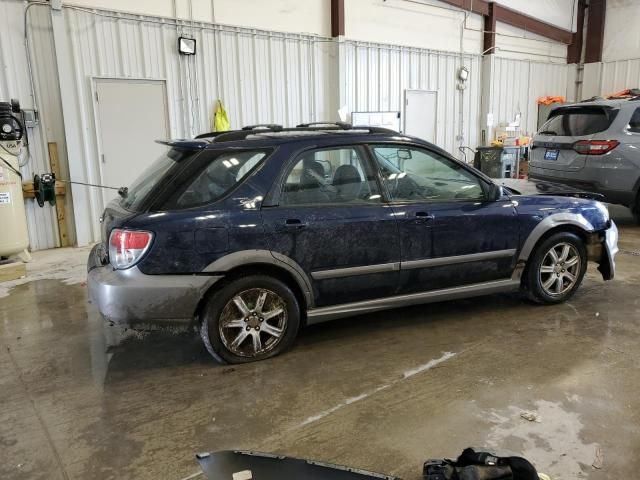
x=553 y=150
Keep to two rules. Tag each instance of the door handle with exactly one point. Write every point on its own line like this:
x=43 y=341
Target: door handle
x=423 y=217
x=294 y=223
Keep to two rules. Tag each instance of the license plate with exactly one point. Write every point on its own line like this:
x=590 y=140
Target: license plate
x=551 y=154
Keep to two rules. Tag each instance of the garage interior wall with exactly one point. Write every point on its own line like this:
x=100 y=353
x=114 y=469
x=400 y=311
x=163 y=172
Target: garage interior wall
x=265 y=75
x=14 y=83
x=377 y=76
x=620 y=66
x=518 y=83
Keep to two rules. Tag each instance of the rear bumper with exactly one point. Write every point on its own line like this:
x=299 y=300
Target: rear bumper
x=575 y=180
x=129 y=297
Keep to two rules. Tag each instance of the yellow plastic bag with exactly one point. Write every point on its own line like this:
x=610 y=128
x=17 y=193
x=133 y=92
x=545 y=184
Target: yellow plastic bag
x=220 y=119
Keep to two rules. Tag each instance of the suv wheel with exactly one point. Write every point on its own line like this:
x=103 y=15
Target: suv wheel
x=635 y=210
x=556 y=268
x=251 y=318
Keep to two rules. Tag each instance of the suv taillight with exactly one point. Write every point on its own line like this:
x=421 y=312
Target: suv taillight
x=126 y=247
x=595 y=147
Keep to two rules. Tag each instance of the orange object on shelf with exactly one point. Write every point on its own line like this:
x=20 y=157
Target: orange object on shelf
x=548 y=100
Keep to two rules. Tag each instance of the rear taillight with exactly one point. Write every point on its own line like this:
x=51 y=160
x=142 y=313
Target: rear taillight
x=126 y=247
x=595 y=147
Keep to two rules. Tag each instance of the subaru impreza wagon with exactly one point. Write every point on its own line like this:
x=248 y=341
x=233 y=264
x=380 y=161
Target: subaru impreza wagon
x=249 y=235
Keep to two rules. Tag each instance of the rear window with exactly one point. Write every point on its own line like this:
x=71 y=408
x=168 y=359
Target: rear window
x=211 y=176
x=577 y=122
x=150 y=177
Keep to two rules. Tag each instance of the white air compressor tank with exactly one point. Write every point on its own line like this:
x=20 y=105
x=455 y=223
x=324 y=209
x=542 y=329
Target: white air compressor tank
x=14 y=237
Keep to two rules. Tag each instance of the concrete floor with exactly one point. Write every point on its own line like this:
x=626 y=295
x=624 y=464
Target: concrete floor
x=382 y=392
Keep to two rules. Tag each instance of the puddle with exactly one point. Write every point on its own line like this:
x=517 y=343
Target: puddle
x=552 y=442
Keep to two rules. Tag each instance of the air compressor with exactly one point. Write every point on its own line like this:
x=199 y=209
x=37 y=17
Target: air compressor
x=13 y=220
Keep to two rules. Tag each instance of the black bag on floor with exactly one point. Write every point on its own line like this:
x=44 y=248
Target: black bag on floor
x=479 y=465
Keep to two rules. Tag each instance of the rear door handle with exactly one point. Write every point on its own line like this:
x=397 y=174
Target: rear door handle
x=423 y=217
x=294 y=223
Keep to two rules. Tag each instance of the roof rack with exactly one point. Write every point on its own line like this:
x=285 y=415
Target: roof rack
x=342 y=125
x=273 y=127
x=235 y=135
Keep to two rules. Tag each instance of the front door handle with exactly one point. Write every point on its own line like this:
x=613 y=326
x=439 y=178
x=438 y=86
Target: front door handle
x=423 y=217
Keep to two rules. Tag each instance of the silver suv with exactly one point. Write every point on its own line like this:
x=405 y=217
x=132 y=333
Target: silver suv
x=594 y=146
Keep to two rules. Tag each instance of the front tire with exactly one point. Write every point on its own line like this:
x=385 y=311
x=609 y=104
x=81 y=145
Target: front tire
x=556 y=268
x=251 y=318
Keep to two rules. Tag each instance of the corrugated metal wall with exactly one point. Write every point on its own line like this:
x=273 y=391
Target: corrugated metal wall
x=377 y=76
x=14 y=83
x=517 y=84
x=611 y=77
x=260 y=76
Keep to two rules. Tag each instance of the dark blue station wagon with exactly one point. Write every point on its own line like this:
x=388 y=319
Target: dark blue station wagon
x=252 y=234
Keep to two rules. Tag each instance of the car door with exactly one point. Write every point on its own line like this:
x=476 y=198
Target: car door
x=328 y=216
x=451 y=233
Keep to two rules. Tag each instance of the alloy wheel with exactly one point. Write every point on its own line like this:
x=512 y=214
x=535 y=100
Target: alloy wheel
x=560 y=269
x=253 y=322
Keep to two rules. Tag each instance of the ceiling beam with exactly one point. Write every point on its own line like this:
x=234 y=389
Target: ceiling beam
x=489 y=35
x=515 y=19
x=574 y=52
x=337 y=18
x=595 y=31
x=531 y=24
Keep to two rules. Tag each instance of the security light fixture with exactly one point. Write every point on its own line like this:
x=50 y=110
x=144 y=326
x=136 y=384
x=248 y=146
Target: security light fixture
x=187 y=46
x=463 y=74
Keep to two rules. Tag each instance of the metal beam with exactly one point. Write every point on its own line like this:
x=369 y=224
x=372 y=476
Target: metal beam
x=574 y=52
x=530 y=24
x=514 y=18
x=489 y=36
x=595 y=31
x=337 y=18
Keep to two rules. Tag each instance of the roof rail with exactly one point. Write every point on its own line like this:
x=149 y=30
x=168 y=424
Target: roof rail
x=342 y=125
x=235 y=135
x=264 y=126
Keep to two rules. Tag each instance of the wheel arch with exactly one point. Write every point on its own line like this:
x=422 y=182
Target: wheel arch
x=560 y=222
x=263 y=262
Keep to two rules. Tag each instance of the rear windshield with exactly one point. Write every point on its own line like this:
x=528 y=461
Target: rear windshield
x=578 y=121
x=150 y=177
x=210 y=177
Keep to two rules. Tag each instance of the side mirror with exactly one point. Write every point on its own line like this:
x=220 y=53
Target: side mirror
x=495 y=192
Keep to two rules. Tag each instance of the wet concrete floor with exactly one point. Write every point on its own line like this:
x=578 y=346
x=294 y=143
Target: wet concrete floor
x=382 y=392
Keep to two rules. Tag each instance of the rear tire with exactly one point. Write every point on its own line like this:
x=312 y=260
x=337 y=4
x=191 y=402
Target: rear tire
x=556 y=269
x=251 y=318
x=635 y=210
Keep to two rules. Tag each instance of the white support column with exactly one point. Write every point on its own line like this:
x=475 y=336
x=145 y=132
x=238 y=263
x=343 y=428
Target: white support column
x=487 y=99
x=72 y=128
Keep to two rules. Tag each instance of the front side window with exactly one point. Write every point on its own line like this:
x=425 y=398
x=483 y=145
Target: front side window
x=330 y=176
x=213 y=175
x=413 y=174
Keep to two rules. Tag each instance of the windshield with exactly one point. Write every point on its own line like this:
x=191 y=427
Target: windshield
x=152 y=175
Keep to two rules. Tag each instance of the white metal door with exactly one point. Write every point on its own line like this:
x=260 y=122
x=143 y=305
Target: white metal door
x=131 y=115
x=420 y=114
